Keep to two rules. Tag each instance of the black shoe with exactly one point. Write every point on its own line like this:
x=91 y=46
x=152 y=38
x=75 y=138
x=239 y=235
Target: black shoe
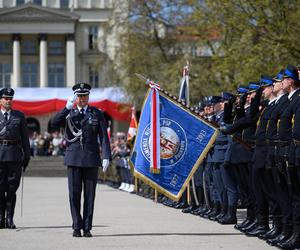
x=188 y=209
x=258 y=231
x=76 y=233
x=220 y=216
x=245 y=223
x=271 y=234
x=196 y=211
x=228 y=220
x=279 y=239
x=249 y=227
x=10 y=223
x=181 y=205
x=2 y=224
x=207 y=213
x=87 y=234
x=291 y=243
x=203 y=211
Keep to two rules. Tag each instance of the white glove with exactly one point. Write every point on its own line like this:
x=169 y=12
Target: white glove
x=70 y=102
x=105 y=164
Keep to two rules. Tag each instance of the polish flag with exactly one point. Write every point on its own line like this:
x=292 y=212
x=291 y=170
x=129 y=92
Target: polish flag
x=133 y=126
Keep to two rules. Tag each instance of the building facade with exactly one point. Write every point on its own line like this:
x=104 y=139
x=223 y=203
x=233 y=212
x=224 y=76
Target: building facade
x=56 y=43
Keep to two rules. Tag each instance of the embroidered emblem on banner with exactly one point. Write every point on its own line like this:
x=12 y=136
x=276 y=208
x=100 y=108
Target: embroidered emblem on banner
x=173 y=142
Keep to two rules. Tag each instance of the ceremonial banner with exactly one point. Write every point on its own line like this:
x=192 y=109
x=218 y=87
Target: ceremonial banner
x=184 y=142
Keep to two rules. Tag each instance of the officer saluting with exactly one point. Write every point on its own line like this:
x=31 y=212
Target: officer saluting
x=85 y=130
x=14 y=154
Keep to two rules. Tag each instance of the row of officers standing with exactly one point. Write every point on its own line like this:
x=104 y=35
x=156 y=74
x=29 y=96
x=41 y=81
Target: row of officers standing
x=255 y=159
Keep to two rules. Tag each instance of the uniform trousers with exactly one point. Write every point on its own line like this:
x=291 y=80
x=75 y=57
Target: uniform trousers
x=10 y=176
x=79 y=177
x=219 y=184
x=230 y=182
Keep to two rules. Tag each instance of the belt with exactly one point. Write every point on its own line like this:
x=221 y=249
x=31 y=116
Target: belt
x=221 y=143
x=297 y=142
x=284 y=143
x=261 y=143
x=9 y=142
x=272 y=142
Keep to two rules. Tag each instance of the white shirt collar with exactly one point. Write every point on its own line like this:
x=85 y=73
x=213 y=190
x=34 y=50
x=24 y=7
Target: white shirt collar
x=278 y=97
x=291 y=94
x=3 y=111
x=84 y=108
x=273 y=100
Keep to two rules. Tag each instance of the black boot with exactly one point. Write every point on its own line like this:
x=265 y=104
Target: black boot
x=230 y=218
x=274 y=231
x=200 y=197
x=216 y=211
x=284 y=236
x=293 y=242
x=2 y=220
x=210 y=211
x=203 y=211
x=263 y=227
x=223 y=213
x=183 y=202
x=192 y=206
x=249 y=220
x=197 y=210
x=2 y=210
x=10 y=210
x=250 y=226
x=189 y=209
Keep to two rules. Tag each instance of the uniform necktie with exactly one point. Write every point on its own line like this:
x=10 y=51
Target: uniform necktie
x=6 y=116
x=81 y=114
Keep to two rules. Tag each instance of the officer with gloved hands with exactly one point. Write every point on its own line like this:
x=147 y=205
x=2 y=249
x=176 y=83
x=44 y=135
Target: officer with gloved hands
x=86 y=136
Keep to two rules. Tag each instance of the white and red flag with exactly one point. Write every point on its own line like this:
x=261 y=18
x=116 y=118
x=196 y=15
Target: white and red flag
x=132 y=126
x=155 y=128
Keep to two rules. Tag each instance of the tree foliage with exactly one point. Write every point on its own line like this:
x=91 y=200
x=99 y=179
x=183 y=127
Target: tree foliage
x=245 y=38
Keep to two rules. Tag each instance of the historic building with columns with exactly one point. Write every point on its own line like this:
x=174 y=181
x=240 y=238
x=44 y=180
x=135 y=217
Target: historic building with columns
x=56 y=43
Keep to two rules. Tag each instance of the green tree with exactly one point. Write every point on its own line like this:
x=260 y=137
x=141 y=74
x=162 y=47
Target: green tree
x=257 y=37
x=240 y=40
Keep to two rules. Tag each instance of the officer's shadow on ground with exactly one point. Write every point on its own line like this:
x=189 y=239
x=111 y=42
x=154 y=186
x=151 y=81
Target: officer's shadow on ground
x=166 y=234
x=51 y=227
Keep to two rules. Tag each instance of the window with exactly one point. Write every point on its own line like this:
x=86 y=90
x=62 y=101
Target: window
x=5 y=47
x=29 y=47
x=93 y=35
x=56 y=75
x=20 y=2
x=38 y=2
x=93 y=77
x=5 y=74
x=64 y=3
x=29 y=74
x=56 y=47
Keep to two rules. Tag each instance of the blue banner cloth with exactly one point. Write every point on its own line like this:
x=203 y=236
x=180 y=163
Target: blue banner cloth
x=185 y=140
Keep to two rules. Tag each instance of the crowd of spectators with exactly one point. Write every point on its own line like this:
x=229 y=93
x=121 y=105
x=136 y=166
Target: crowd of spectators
x=47 y=144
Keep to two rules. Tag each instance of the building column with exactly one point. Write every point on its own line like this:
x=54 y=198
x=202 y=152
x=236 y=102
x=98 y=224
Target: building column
x=70 y=60
x=43 y=61
x=16 y=77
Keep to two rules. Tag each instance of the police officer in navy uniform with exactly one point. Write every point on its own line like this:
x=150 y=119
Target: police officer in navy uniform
x=86 y=136
x=14 y=154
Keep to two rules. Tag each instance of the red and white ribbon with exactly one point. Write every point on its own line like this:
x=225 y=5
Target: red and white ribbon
x=155 y=128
